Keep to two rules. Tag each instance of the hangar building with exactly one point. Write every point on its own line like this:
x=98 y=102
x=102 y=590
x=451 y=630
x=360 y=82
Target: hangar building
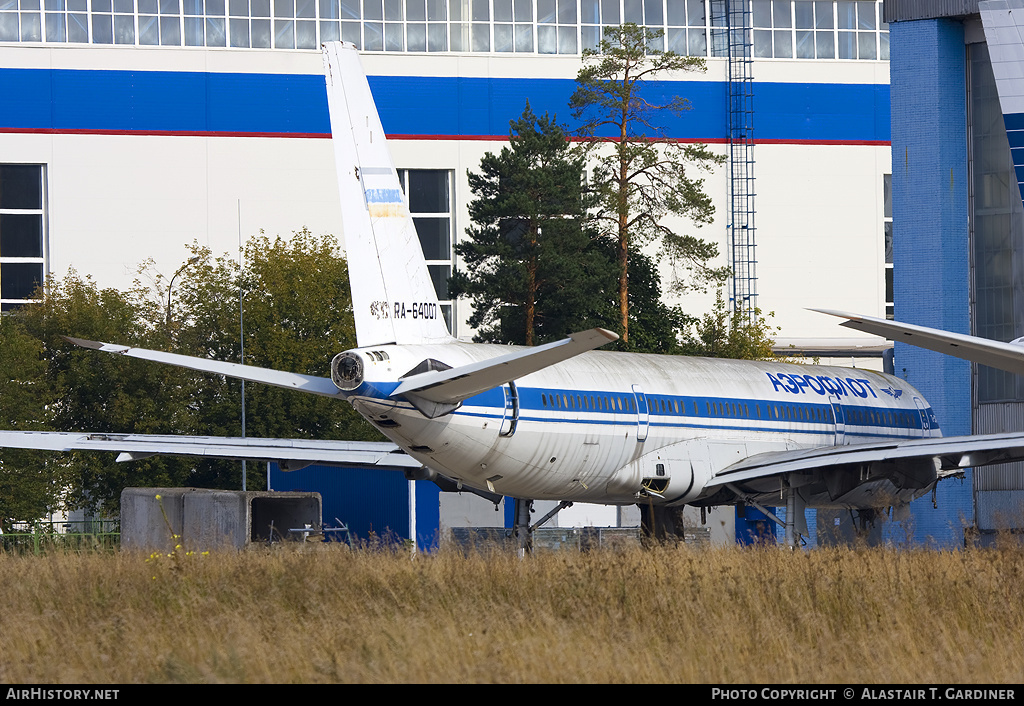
x=150 y=123
x=133 y=127
x=958 y=238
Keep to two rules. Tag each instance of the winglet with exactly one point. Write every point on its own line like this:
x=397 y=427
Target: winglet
x=96 y=345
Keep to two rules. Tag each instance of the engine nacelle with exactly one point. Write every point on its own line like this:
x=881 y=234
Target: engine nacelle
x=675 y=473
x=347 y=371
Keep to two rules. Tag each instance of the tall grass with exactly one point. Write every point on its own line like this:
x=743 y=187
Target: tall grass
x=330 y=614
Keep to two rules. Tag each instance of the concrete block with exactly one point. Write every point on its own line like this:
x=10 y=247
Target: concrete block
x=207 y=519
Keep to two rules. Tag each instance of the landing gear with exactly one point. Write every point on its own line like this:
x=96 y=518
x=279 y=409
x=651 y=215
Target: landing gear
x=795 y=525
x=866 y=521
x=522 y=530
x=521 y=526
x=661 y=524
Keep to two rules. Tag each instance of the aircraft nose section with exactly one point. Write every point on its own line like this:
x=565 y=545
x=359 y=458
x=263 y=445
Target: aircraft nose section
x=347 y=371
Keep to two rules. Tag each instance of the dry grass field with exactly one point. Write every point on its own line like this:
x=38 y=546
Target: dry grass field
x=676 y=614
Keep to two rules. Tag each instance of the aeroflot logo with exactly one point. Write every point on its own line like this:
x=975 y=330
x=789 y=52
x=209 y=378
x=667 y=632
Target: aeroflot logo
x=822 y=384
x=383 y=196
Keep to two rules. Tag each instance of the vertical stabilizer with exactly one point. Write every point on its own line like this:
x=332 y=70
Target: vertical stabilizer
x=393 y=296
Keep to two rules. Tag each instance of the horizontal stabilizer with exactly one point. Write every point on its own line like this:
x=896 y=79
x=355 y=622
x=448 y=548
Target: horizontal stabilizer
x=1005 y=356
x=450 y=387
x=278 y=378
x=290 y=453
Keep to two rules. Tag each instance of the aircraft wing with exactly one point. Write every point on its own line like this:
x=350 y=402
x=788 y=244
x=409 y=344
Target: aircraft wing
x=278 y=378
x=291 y=454
x=951 y=455
x=1005 y=356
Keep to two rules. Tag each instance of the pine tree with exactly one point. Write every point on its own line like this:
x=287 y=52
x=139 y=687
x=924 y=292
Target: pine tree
x=644 y=176
x=531 y=268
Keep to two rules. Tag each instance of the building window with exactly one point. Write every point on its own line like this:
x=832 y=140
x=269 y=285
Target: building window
x=431 y=207
x=66 y=21
x=22 y=233
x=819 y=29
x=113 y=21
x=802 y=29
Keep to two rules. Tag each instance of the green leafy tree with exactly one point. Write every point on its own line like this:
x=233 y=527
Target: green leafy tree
x=105 y=393
x=640 y=176
x=32 y=483
x=722 y=333
x=297 y=312
x=531 y=268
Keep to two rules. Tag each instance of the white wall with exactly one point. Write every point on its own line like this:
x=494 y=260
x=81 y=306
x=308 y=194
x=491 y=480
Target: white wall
x=115 y=200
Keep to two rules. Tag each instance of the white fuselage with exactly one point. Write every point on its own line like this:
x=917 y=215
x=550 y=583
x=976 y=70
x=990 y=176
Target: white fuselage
x=612 y=427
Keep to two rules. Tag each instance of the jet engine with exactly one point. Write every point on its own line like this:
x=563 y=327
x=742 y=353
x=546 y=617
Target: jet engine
x=347 y=371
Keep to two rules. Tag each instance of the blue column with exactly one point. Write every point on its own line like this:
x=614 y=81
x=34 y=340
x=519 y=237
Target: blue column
x=930 y=245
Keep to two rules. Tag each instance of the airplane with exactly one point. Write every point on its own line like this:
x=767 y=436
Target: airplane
x=569 y=423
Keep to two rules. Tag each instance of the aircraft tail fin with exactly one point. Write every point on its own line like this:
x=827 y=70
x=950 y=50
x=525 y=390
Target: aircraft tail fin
x=393 y=296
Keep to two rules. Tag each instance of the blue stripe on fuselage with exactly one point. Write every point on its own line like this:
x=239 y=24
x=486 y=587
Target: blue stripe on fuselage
x=683 y=411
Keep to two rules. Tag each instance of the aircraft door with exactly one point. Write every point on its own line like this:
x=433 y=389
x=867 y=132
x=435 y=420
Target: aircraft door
x=511 y=418
x=926 y=424
x=642 y=415
x=840 y=420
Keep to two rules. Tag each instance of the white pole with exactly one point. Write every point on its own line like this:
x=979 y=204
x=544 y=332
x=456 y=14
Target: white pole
x=412 y=514
x=241 y=327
